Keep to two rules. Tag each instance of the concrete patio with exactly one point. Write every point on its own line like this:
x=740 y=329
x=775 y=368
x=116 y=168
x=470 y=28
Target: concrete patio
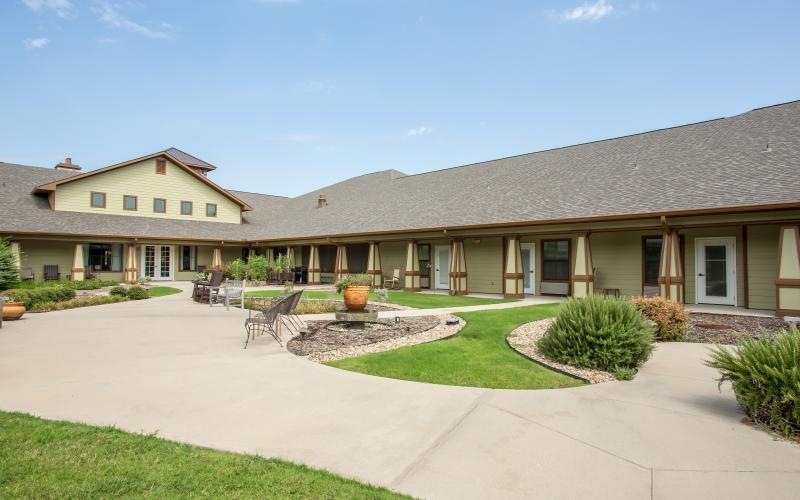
x=177 y=368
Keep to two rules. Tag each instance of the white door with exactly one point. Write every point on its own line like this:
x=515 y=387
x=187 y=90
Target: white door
x=528 y=251
x=716 y=270
x=157 y=261
x=442 y=267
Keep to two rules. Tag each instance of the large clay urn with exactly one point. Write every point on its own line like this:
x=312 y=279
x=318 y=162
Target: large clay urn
x=13 y=310
x=355 y=297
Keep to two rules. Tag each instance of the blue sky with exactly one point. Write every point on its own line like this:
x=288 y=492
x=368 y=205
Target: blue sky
x=287 y=96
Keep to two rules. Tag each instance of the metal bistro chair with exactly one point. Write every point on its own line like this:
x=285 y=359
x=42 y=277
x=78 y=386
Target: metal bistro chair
x=262 y=319
x=230 y=291
x=51 y=272
x=293 y=318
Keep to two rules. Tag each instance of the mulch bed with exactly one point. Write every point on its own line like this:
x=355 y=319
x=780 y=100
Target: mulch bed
x=321 y=339
x=730 y=328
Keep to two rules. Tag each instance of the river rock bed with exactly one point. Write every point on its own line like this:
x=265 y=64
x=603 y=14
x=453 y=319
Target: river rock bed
x=731 y=328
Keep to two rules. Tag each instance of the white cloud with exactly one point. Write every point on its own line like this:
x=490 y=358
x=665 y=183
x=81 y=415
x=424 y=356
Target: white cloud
x=420 y=131
x=36 y=43
x=108 y=14
x=62 y=8
x=588 y=12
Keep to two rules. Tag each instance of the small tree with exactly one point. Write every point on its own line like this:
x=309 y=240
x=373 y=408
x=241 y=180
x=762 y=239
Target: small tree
x=9 y=272
x=259 y=267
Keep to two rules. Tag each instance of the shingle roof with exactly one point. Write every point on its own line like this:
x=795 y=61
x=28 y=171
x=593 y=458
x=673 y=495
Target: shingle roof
x=722 y=163
x=188 y=159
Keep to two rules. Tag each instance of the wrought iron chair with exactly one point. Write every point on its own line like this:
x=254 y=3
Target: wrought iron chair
x=263 y=318
x=291 y=316
x=230 y=291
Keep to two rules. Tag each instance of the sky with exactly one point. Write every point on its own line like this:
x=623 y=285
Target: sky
x=286 y=96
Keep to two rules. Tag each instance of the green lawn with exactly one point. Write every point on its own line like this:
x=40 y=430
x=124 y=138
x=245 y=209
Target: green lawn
x=415 y=300
x=45 y=459
x=477 y=357
x=160 y=291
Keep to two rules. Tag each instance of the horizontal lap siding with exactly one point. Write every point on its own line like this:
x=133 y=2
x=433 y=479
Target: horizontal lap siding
x=762 y=255
x=484 y=259
x=690 y=277
x=393 y=255
x=617 y=259
x=35 y=254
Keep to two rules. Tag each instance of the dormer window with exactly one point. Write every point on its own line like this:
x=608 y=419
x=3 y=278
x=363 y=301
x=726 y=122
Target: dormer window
x=211 y=209
x=97 y=200
x=161 y=166
x=186 y=208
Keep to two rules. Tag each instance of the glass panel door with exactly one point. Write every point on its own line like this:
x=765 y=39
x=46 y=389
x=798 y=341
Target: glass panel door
x=149 y=261
x=165 y=268
x=716 y=270
x=528 y=268
x=443 y=267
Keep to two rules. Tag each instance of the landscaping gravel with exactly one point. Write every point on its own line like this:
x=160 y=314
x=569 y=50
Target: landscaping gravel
x=524 y=339
x=731 y=328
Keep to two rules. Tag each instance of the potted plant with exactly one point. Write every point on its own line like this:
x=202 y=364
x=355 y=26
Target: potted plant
x=356 y=290
x=9 y=276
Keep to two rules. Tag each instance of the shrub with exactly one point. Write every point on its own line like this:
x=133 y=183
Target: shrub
x=315 y=306
x=281 y=263
x=119 y=291
x=137 y=293
x=9 y=273
x=765 y=375
x=237 y=270
x=670 y=317
x=353 y=280
x=599 y=332
x=92 y=284
x=89 y=300
x=382 y=295
x=259 y=267
x=35 y=296
x=624 y=373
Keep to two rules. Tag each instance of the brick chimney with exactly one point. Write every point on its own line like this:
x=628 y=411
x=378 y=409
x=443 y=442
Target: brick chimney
x=68 y=165
x=322 y=201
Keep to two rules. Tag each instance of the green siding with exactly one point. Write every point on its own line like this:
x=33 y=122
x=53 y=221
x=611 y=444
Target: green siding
x=762 y=254
x=690 y=275
x=484 y=265
x=617 y=259
x=35 y=254
x=393 y=255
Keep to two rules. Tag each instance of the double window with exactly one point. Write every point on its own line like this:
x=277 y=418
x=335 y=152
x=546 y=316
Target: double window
x=555 y=260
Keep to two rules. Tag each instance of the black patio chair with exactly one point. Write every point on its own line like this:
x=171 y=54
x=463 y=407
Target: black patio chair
x=204 y=290
x=291 y=316
x=51 y=272
x=262 y=318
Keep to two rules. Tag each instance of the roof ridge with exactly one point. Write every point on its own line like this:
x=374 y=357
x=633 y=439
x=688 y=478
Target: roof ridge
x=260 y=194
x=773 y=105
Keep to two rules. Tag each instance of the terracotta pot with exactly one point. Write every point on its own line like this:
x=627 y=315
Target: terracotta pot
x=355 y=297
x=13 y=310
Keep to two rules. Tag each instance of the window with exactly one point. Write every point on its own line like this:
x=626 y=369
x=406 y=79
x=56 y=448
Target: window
x=652 y=259
x=555 y=260
x=186 y=208
x=103 y=257
x=98 y=200
x=161 y=166
x=211 y=209
x=188 y=258
x=159 y=205
x=129 y=202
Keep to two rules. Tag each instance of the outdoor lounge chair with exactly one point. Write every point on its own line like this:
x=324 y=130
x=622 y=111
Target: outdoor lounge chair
x=263 y=318
x=27 y=274
x=394 y=281
x=228 y=292
x=204 y=290
x=51 y=272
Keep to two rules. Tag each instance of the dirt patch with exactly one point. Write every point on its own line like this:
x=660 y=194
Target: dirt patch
x=731 y=328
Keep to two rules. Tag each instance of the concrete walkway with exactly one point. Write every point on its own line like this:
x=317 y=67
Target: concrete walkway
x=173 y=367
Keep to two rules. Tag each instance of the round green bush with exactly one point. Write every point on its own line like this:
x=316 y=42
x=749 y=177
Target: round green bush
x=765 y=375
x=137 y=293
x=119 y=291
x=599 y=332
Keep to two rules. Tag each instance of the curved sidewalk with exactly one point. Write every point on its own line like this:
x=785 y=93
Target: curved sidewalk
x=176 y=368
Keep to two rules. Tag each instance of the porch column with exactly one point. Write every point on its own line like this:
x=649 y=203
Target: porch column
x=341 y=269
x=787 y=286
x=251 y=252
x=290 y=257
x=374 y=264
x=313 y=266
x=131 y=272
x=582 y=270
x=270 y=253
x=458 y=268
x=412 y=268
x=216 y=258
x=77 y=263
x=15 y=251
x=670 y=274
x=513 y=283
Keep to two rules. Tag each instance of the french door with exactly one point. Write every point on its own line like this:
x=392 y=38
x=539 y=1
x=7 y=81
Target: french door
x=528 y=251
x=442 y=267
x=716 y=270
x=157 y=262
